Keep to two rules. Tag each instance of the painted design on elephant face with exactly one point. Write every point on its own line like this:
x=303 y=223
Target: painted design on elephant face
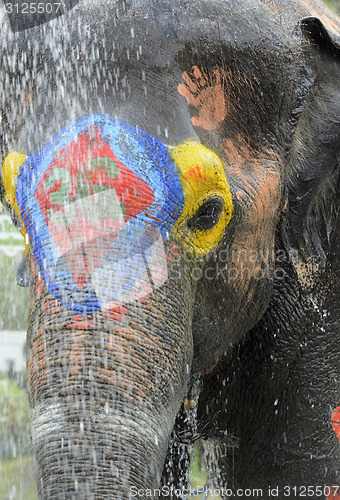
x=98 y=203
x=87 y=195
x=208 y=203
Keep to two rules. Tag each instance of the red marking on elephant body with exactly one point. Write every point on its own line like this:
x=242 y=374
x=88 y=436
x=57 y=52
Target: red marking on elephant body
x=76 y=160
x=205 y=91
x=115 y=311
x=77 y=352
x=213 y=93
x=334 y=494
x=143 y=300
x=52 y=306
x=37 y=361
x=336 y=422
x=210 y=368
x=80 y=322
x=39 y=285
x=32 y=265
x=172 y=253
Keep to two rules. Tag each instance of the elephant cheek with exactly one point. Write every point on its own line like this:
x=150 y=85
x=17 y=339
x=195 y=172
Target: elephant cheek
x=102 y=409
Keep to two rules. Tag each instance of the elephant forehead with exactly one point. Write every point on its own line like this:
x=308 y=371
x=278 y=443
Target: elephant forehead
x=98 y=154
x=99 y=199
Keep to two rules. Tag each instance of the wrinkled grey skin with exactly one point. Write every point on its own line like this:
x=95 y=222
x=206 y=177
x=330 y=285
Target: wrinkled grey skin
x=106 y=395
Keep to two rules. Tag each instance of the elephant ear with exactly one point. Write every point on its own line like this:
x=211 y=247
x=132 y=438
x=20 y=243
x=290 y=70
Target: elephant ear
x=310 y=224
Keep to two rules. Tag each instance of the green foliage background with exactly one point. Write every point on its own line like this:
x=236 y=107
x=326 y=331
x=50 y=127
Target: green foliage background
x=14 y=421
x=13 y=298
x=334 y=5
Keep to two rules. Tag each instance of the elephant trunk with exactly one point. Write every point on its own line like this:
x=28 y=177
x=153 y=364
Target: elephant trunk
x=102 y=409
x=102 y=457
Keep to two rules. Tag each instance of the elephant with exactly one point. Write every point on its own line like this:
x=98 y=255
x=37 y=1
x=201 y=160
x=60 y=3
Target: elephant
x=173 y=167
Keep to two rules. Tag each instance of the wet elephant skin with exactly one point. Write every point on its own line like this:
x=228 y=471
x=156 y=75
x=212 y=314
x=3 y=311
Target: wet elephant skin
x=212 y=127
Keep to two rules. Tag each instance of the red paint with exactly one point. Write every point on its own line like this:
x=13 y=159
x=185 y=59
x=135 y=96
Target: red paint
x=195 y=172
x=172 y=253
x=32 y=265
x=92 y=168
x=210 y=369
x=39 y=285
x=336 y=422
x=76 y=159
x=334 y=494
x=207 y=93
x=115 y=311
x=52 y=306
x=80 y=322
x=143 y=299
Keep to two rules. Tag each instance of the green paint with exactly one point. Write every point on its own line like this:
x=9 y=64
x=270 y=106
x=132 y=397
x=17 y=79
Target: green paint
x=98 y=188
x=62 y=176
x=83 y=187
x=92 y=207
x=105 y=164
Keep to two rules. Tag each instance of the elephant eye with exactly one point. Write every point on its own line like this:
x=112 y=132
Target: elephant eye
x=208 y=215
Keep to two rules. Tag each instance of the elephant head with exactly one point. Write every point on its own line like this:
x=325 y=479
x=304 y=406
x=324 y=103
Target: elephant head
x=173 y=168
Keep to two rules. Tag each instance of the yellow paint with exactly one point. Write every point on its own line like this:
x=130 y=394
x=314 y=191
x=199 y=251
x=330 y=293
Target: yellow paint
x=10 y=172
x=202 y=176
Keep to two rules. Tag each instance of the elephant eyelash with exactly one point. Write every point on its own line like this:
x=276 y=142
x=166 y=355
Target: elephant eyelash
x=207 y=215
